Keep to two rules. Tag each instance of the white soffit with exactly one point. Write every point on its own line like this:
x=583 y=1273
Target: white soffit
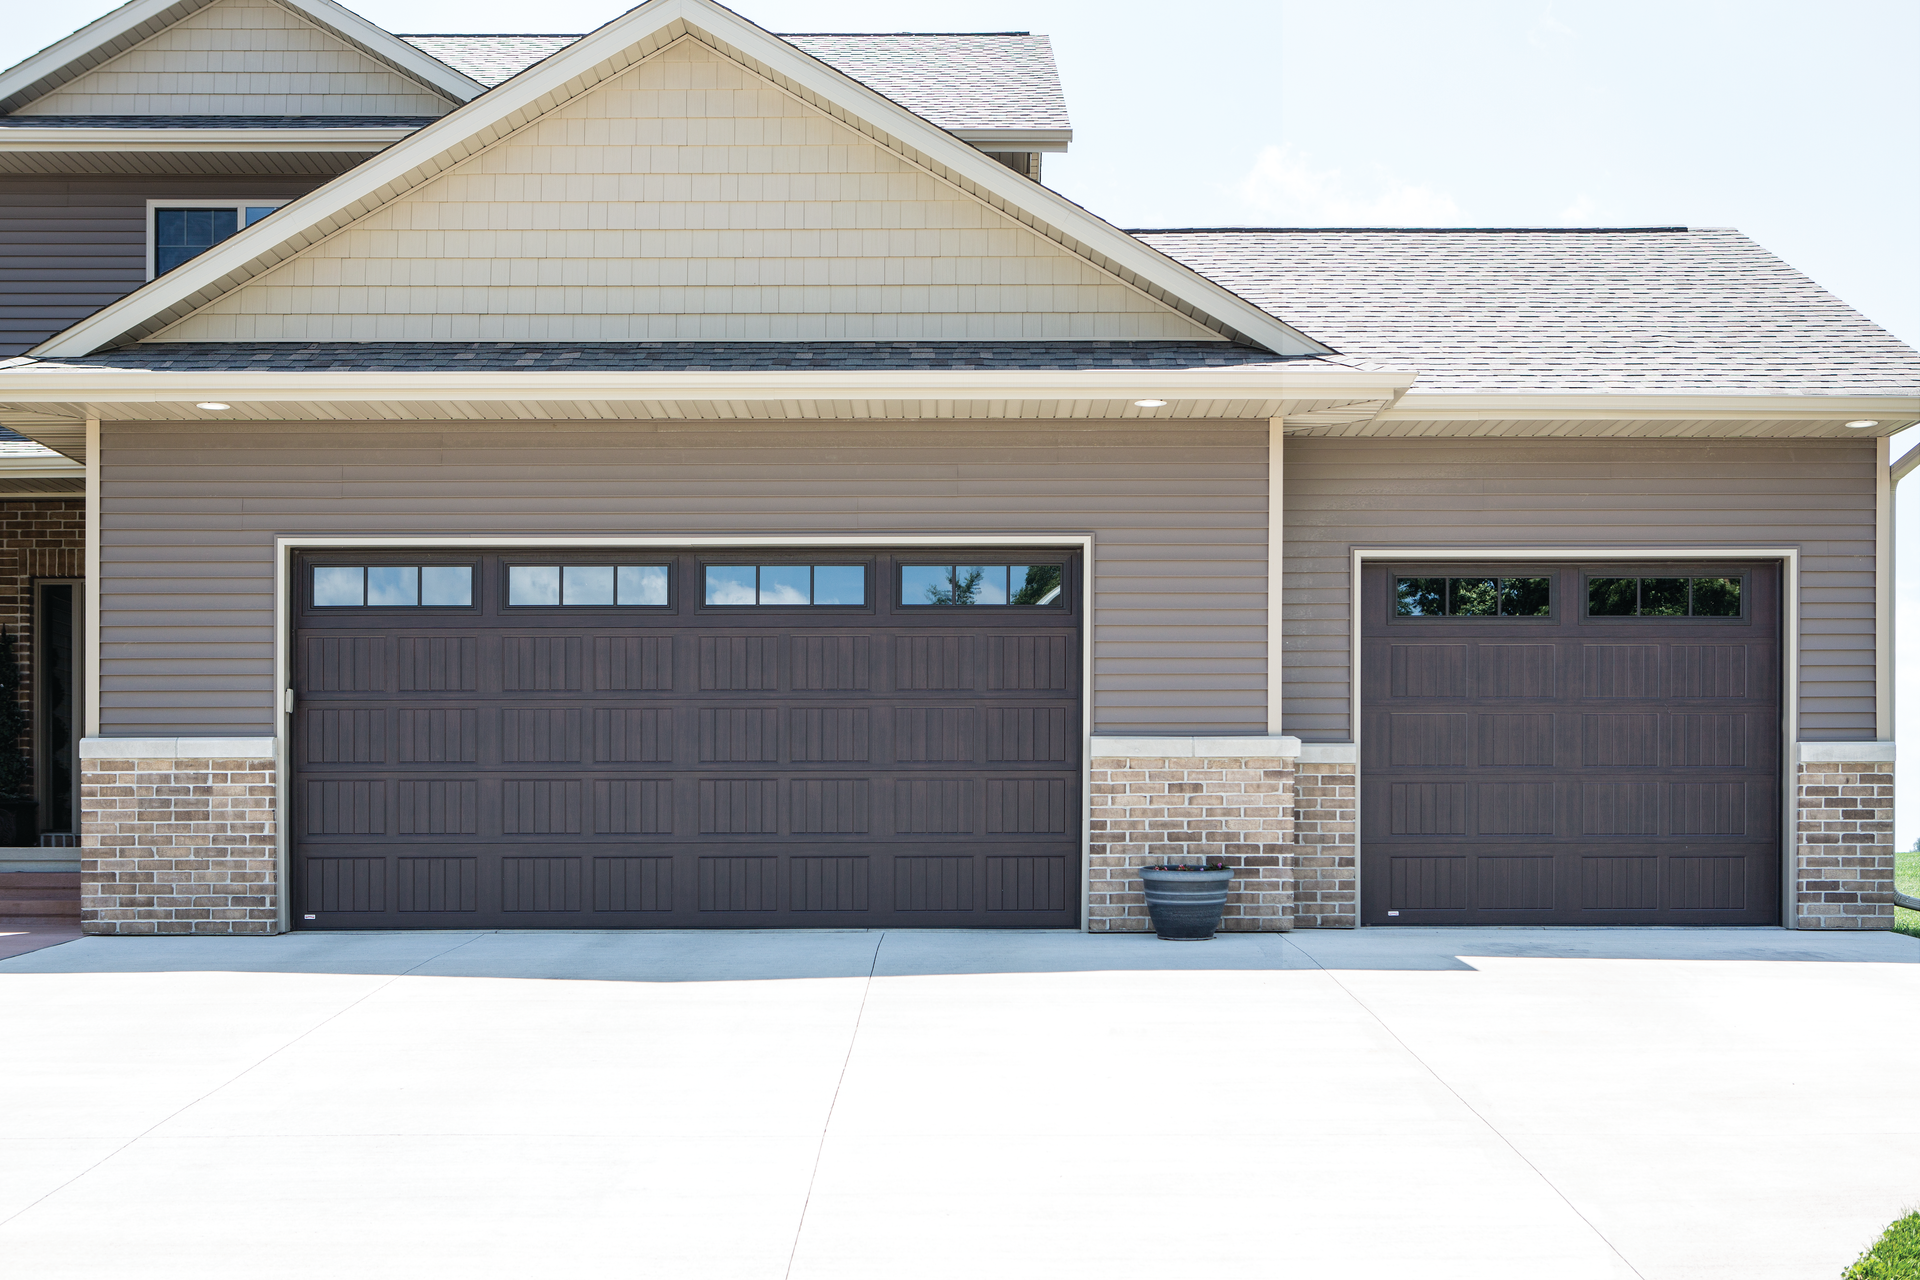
x=606 y=52
x=131 y=24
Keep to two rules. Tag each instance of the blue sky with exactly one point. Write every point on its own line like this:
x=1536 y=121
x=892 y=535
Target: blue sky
x=1798 y=124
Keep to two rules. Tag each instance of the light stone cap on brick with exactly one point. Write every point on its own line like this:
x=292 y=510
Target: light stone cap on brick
x=176 y=748
x=1281 y=745
x=1833 y=752
x=1330 y=753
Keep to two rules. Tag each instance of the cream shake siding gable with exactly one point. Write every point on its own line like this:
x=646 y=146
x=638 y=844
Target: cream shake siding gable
x=686 y=199
x=242 y=58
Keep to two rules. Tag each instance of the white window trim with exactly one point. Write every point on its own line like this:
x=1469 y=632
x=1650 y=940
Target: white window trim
x=197 y=202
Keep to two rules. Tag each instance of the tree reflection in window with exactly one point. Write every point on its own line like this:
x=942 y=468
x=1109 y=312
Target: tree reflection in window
x=1028 y=585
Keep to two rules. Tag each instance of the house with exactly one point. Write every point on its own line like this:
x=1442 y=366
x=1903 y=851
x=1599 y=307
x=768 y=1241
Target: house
x=686 y=476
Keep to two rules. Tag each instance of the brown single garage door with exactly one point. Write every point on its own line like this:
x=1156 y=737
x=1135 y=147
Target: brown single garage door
x=1571 y=744
x=537 y=739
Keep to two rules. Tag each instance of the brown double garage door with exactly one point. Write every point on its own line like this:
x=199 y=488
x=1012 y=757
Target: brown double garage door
x=1571 y=744
x=621 y=740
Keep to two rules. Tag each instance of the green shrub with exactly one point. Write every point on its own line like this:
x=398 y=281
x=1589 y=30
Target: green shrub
x=1894 y=1256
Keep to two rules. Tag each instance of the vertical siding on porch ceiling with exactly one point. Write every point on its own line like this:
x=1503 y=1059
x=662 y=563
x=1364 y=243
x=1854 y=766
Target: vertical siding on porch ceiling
x=1817 y=495
x=1178 y=511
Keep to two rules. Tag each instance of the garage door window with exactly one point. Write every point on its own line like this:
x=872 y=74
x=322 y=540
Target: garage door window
x=579 y=585
x=1717 y=597
x=393 y=586
x=1033 y=585
x=1473 y=597
x=761 y=585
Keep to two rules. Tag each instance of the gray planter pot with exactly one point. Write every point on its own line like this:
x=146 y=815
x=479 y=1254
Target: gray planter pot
x=1185 y=905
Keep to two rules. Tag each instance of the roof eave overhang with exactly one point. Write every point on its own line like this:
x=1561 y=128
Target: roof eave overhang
x=132 y=388
x=173 y=141
x=1015 y=139
x=1892 y=413
x=561 y=77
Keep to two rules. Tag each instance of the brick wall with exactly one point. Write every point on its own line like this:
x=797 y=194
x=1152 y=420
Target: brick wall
x=1843 y=845
x=1326 y=827
x=1145 y=810
x=178 y=846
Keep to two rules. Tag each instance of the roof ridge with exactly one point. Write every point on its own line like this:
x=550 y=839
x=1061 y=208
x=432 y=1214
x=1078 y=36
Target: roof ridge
x=578 y=35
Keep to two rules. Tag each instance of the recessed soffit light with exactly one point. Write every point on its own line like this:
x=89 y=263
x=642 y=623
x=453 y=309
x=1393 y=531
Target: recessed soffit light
x=1860 y=423
x=1149 y=404
x=213 y=405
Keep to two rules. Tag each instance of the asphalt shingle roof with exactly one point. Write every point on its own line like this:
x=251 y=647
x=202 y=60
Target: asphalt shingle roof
x=215 y=122
x=983 y=80
x=1658 y=311
x=657 y=357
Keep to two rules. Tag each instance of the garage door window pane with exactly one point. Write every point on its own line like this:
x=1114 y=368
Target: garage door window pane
x=731 y=584
x=1036 y=584
x=1525 y=597
x=926 y=584
x=1420 y=597
x=1612 y=597
x=533 y=584
x=839 y=584
x=338 y=585
x=393 y=586
x=1716 y=597
x=1472 y=597
x=1663 y=597
x=643 y=584
x=448 y=586
x=785 y=584
x=586 y=584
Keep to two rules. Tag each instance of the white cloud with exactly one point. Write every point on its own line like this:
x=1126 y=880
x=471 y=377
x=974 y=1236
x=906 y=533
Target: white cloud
x=1548 y=32
x=1283 y=184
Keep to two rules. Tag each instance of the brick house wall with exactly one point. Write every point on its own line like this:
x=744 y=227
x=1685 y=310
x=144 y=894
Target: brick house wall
x=1843 y=844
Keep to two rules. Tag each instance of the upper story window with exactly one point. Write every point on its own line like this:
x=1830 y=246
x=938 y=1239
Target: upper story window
x=182 y=229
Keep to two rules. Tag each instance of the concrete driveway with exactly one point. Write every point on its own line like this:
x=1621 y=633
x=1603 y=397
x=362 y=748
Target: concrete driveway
x=1431 y=1103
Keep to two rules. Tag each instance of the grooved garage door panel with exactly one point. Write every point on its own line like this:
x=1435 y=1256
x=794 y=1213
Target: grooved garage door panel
x=596 y=767
x=1568 y=769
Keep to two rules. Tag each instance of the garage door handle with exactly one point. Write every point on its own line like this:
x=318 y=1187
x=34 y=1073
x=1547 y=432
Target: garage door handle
x=286 y=703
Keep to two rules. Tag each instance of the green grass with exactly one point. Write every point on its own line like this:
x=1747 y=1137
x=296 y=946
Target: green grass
x=1906 y=878
x=1895 y=1255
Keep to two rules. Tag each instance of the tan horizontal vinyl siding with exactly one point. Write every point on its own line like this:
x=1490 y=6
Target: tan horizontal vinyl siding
x=1817 y=496
x=1178 y=512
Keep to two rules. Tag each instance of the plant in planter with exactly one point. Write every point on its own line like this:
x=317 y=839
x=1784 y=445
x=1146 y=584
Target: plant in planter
x=1186 y=899
x=16 y=774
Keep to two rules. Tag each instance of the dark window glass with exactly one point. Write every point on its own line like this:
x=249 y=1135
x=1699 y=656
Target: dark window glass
x=1716 y=597
x=1524 y=597
x=1034 y=583
x=962 y=584
x=1420 y=597
x=1473 y=597
x=182 y=234
x=1612 y=597
x=1663 y=597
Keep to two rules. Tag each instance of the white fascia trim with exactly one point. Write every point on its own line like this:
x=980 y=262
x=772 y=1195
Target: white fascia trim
x=1281 y=746
x=564 y=75
x=1835 y=752
x=177 y=748
x=1015 y=139
x=1893 y=412
x=191 y=140
x=31 y=385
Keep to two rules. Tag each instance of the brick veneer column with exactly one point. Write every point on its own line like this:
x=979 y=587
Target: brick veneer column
x=1843 y=844
x=1152 y=809
x=182 y=844
x=1326 y=824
